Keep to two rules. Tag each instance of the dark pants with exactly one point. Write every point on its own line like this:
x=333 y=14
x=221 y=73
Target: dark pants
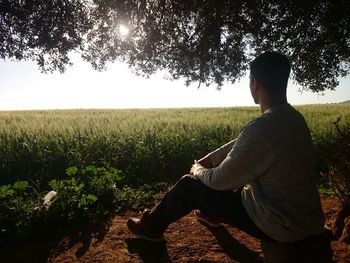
x=190 y=193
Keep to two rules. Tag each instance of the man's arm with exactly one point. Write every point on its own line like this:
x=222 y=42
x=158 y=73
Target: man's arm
x=250 y=157
x=216 y=157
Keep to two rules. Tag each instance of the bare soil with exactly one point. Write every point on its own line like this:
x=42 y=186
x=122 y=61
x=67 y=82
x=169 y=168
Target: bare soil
x=186 y=241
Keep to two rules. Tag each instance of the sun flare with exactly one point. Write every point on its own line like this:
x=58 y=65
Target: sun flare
x=124 y=30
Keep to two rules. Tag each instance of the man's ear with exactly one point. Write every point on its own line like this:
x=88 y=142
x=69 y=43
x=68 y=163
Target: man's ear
x=256 y=84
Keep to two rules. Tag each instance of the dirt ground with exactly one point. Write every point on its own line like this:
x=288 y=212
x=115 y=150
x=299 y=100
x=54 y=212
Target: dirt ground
x=186 y=241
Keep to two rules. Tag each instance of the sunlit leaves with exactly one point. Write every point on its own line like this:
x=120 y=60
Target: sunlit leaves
x=201 y=41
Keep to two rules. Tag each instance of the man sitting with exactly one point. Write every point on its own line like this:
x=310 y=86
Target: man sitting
x=263 y=183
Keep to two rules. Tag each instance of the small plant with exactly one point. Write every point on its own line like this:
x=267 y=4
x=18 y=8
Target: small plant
x=17 y=205
x=86 y=193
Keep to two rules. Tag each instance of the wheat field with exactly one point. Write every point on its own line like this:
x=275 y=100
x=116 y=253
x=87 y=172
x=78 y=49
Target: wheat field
x=147 y=145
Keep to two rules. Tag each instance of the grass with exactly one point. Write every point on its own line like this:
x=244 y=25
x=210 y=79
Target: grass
x=147 y=145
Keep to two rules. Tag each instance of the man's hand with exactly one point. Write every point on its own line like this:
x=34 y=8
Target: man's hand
x=204 y=163
x=195 y=168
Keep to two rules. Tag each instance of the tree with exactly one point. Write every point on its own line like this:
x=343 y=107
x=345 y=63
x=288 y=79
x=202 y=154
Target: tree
x=45 y=31
x=203 y=41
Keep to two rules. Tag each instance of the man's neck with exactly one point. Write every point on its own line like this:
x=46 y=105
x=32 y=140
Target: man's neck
x=270 y=102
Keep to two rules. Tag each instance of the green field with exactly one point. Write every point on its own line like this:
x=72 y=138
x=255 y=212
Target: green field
x=104 y=161
x=147 y=145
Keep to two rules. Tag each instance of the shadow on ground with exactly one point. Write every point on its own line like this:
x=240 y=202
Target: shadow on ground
x=42 y=245
x=232 y=247
x=149 y=252
x=157 y=252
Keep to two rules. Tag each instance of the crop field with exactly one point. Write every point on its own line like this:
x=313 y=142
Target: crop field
x=147 y=145
x=102 y=161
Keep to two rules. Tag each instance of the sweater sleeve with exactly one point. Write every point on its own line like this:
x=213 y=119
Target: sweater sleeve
x=250 y=157
x=218 y=155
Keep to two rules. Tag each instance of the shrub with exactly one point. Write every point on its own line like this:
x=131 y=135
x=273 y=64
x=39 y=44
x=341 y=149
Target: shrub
x=85 y=194
x=17 y=208
x=338 y=163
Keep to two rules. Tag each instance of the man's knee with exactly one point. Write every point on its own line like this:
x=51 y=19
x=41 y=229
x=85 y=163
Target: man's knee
x=188 y=180
x=189 y=177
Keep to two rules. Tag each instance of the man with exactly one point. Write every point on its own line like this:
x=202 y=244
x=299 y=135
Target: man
x=263 y=183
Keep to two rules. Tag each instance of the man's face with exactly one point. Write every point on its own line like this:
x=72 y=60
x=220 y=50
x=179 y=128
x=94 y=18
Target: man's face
x=253 y=89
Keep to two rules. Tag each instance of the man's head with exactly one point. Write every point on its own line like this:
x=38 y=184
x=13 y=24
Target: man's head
x=270 y=71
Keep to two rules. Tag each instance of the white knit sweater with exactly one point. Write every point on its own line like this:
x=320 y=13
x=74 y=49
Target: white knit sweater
x=272 y=159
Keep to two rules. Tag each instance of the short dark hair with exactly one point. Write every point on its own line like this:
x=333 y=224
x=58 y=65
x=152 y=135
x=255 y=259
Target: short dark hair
x=272 y=70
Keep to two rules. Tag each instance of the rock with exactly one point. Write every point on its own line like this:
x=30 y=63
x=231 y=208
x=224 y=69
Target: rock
x=49 y=198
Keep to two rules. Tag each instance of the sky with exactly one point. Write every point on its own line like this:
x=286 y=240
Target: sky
x=24 y=87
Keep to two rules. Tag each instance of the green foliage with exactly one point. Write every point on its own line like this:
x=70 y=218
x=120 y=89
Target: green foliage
x=338 y=163
x=17 y=205
x=200 y=41
x=87 y=193
x=325 y=190
x=20 y=185
x=6 y=190
x=139 y=198
x=147 y=145
x=151 y=147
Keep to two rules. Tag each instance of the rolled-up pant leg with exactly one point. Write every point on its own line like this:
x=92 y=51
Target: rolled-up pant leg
x=190 y=193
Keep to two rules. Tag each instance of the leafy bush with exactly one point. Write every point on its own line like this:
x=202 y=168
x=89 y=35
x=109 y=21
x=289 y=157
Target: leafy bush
x=85 y=194
x=338 y=162
x=17 y=207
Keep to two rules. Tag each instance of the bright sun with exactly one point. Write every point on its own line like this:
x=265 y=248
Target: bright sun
x=124 y=31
